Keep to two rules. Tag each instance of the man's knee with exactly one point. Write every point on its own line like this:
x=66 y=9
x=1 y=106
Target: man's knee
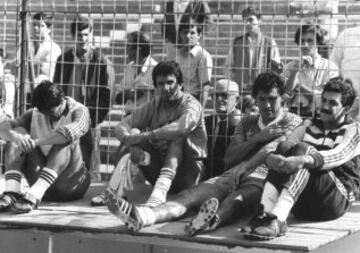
x=301 y=148
x=59 y=156
x=284 y=147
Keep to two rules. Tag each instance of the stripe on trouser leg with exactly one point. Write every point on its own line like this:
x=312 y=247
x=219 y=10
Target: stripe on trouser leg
x=298 y=183
x=340 y=186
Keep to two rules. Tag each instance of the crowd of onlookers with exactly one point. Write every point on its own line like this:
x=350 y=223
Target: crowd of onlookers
x=281 y=137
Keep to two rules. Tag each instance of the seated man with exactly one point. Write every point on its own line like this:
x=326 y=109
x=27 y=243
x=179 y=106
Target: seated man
x=136 y=87
x=307 y=76
x=315 y=173
x=172 y=143
x=220 y=126
x=43 y=144
x=237 y=195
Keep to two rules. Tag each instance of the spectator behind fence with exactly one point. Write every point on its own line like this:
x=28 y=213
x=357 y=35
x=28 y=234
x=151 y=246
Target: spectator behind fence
x=7 y=89
x=137 y=87
x=220 y=126
x=196 y=63
x=179 y=12
x=307 y=75
x=346 y=55
x=85 y=73
x=43 y=145
x=46 y=51
x=238 y=189
x=166 y=138
x=251 y=53
x=314 y=173
x=323 y=13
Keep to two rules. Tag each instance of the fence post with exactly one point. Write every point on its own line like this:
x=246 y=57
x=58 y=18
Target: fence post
x=23 y=58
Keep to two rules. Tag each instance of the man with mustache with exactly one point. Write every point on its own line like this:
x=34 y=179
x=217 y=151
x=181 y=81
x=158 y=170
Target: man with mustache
x=315 y=172
x=307 y=76
x=239 y=188
x=43 y=145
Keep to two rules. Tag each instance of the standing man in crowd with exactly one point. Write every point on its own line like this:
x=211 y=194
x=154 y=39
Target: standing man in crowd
x=251 y=53
x=307 y=76
x=196 y=63
x=46 y=51
x=239 y=188
x=136 y=87
x=43 y=145
x=179 y=12
x=84 y=73
x=315 y=172
x=346 y=56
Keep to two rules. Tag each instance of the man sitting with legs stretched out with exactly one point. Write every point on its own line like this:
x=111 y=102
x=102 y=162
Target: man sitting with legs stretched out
x=251 y=134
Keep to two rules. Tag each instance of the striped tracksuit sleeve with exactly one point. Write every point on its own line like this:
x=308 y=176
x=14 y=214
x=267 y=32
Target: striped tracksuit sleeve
x=342 y=153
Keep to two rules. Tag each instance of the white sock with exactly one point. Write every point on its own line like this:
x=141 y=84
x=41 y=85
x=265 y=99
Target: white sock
x=161 y=188
x=37 y=190
x=269 y=197
x=283 y=206
x=12 y=181
x=145 y=215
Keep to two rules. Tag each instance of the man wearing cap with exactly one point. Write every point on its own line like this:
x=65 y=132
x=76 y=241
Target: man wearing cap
x=254 y=138
x=220 y=126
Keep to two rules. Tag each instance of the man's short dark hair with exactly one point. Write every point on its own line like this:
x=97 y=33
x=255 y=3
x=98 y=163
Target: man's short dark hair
x=311 y=28
x=266 y=82
x=142 y=40
x=166 y=68
x=80 y=23
x=342 y=86
x=189 y=23
x=47 y=95
x=48 y=19
x=249 y=11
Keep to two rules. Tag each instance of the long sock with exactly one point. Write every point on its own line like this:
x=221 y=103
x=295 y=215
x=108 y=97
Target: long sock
x=161 y=187
x=269 y=197
x=145 y=215
x=37 y=190
x=12 y=181
x=283 y=206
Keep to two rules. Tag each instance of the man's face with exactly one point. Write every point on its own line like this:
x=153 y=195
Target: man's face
x=269 y=104
x=332 y=110
x=84 y=39
x=308 y=44
x=252 y=24
x=189 y=36
x=55 y=112
x=225 y=102
x=132 y=49
x=41 y=30
x=167 y=87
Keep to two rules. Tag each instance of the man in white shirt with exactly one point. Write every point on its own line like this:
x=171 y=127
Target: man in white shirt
x=46 y=51
x=137 y=86
x=346 y=56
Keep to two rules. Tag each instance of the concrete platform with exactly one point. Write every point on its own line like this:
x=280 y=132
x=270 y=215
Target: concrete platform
x=77 y=227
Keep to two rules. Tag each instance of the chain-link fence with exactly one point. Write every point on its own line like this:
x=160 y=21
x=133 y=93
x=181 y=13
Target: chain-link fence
x=40 y=40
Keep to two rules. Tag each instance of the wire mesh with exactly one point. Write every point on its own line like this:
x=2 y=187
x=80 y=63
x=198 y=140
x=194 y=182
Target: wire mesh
x=115 y=36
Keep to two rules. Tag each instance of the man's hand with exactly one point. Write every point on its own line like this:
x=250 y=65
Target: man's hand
x=25 y=142
x=285 y=165
x=137 y=155
x=270 y=133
